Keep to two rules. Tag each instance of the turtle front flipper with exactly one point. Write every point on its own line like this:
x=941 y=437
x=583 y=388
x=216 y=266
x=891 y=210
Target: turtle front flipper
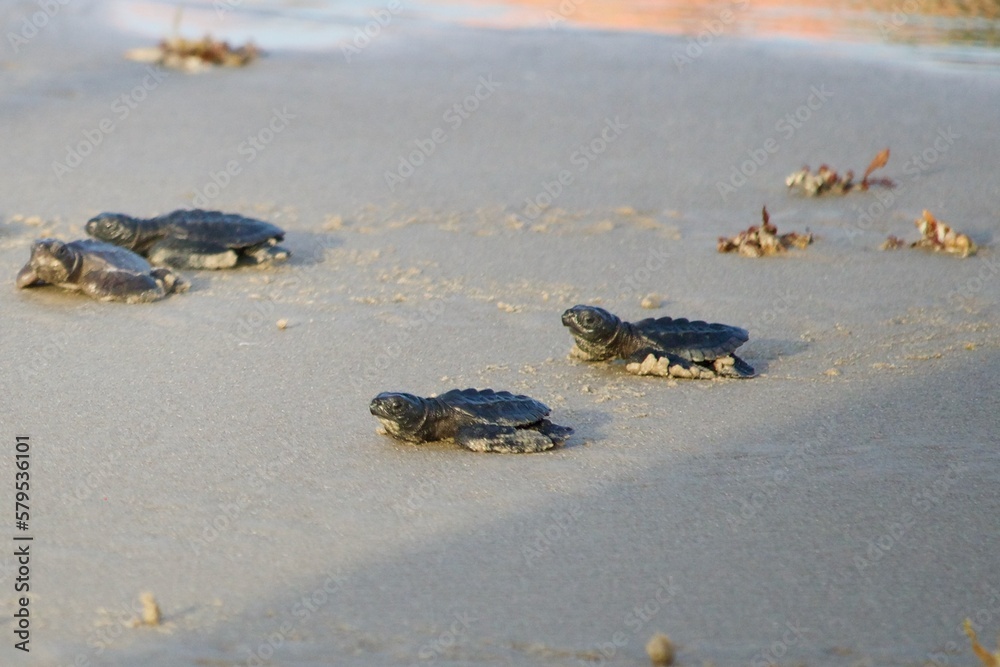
x=172 y=283
x=504 y=439
x=122 y=286
x=27 y=277
x=183 y=254
x=649 y=361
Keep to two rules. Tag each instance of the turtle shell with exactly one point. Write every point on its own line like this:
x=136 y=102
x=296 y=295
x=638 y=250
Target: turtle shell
x=227 y=229
x=98 y=255
x=695 y=340
x=494 y=407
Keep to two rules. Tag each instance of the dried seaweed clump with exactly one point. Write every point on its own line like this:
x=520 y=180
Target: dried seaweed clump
x=764 y=240
x=988 y=659
x=892 y=243
x=940 y=237
x=826 y=180
x=192 y=55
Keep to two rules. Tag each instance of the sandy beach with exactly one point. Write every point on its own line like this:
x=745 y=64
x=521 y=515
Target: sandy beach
x=447 y=193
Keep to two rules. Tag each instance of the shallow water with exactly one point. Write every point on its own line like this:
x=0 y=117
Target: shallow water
x=943 y=30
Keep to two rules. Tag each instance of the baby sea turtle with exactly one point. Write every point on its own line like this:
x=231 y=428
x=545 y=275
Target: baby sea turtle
x=100 y=270
x=482 y=420
x=193 y=239
x=664 y=346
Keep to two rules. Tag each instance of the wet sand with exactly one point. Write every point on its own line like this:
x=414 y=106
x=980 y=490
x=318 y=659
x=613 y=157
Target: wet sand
x=840 y=508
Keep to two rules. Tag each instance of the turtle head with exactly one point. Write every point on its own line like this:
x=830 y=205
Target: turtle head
x=52 y=261
x=402 y=414
x=122 y=230
x=593 y=328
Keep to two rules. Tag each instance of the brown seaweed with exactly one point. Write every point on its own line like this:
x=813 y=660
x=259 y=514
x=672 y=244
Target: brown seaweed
x=827 y=181
x=988 y=659
x=195 y=55
x=763 y=240
x=939 y=237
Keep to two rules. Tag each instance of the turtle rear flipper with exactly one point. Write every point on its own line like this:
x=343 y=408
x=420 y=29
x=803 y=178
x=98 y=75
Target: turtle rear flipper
x=505 y=439
x=122 y=286
x=184 y=254
x=266 y=253
x=732 y=366
x=558 y=434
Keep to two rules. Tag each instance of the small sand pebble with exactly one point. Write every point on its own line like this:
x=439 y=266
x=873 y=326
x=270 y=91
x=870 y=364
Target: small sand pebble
x=660 y=650
x=651 y=301
x=282 y=324
x=150 y=610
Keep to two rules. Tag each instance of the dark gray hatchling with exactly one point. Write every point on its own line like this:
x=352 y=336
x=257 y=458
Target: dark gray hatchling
x=193 y=239
x=482 y=420
x=99 y=270
x=665 y=346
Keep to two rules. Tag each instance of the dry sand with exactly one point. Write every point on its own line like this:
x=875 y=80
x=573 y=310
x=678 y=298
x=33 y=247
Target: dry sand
x=194 y=449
